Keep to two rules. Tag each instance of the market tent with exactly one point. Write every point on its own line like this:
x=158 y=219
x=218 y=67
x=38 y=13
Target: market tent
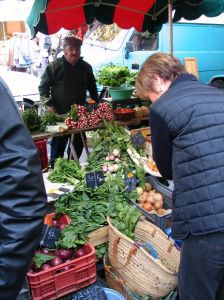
x=49 y=16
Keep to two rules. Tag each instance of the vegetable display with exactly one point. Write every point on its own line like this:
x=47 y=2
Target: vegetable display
x=79 y=117
x=88 y=208
x=114 y=76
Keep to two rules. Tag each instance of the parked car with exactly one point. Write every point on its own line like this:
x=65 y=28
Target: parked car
x=23 y=86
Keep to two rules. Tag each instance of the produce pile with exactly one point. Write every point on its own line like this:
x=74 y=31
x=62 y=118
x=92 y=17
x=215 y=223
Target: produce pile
x=88 y=208
x=114 y=76
x=79 y=117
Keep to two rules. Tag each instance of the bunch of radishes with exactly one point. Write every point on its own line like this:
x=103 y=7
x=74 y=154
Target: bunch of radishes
x=112 y=159
x=105 y=112
x=84 y=119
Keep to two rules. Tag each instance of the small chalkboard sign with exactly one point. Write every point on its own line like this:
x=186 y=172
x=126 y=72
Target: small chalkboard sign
x=91 y=106
x=49 y=236
x=130 y=182
x=94 y=179
x=90 y=180
x=138 y=139
x=99 y=178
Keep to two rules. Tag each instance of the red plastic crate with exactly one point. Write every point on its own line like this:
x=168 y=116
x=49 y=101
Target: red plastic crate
x=42 y=150
x=57 y=282
x=62 y=219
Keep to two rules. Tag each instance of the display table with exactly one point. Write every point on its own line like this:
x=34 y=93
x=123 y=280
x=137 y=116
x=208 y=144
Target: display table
x=72 y=132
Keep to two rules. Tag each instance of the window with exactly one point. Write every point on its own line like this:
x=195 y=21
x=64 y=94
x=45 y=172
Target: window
x=144 y=41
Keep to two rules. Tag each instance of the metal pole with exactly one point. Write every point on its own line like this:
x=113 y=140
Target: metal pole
x=3 y=26
x=170 y=10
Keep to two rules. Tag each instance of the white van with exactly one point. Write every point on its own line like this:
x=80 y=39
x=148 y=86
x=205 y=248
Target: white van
x=202 y=40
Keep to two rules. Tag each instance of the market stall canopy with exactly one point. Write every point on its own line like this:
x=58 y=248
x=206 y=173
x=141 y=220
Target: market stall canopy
x=49 y=16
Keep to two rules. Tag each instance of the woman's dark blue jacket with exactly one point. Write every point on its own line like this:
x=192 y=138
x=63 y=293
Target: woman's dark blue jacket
x=187 y=125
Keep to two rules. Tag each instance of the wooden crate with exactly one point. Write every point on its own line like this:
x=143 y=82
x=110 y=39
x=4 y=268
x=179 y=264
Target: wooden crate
x=99 y=236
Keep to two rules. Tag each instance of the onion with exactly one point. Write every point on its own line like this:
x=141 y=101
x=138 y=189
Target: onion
x=139 y=190
x=145 y=194
x=116 y=167
x=30 y=271
x=45 y=267
x=61 y=226
x=55 y=223
x=158 y=196
x=105 y=168
x=116 y=152
x=150 y=199
x=142 y=199
x=45 y=251
x=57 y=252
x=158 y=204
x=79 y=253
x=57 y=260
x=161 y=211
x=148 y=186
x=65 y=253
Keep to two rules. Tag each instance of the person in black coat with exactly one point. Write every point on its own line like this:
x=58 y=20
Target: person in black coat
x=65 y=82
x=22 y=198
x=187 y=128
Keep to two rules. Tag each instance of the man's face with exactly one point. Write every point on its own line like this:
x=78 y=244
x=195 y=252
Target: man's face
x=72 y=54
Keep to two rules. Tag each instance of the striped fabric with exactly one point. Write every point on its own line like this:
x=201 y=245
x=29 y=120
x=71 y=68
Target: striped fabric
x=49 y=16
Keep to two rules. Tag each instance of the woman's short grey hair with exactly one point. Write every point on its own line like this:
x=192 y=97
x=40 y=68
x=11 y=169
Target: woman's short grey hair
x=164 y=65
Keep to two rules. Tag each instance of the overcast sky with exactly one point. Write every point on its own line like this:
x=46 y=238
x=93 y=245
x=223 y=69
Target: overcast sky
x=14 y=10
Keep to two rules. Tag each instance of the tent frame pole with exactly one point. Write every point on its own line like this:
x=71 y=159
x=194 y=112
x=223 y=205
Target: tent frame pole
x=170 y=10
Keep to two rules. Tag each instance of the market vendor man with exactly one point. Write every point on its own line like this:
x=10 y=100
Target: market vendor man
x=65 y=82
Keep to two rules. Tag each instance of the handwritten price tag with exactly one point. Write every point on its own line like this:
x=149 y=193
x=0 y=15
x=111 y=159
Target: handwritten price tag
x=49 y=236
x=94 y=179
x=138 y=139
x=130 y=182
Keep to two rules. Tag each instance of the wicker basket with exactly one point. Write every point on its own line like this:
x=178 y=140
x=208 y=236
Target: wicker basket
x=141 y=272
x=115 y=282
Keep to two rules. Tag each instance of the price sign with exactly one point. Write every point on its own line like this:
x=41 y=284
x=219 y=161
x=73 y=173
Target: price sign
x=90 y=180
x=91 y=106
x=99 y=178
x=138 y=139
x=49 y=236
x=130 y=182
x=94 y=179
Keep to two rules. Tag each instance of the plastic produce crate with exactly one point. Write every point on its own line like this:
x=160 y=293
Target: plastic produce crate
x=62 y=219
x=59 y=281
x=161 y=221
x=42 y=150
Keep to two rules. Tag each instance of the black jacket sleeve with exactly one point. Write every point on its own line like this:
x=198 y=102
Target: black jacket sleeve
x=91 y=85
x=161 y=145
x=46 y=83
x=22 y=197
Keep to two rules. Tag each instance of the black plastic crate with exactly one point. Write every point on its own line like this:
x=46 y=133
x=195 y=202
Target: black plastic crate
x=128 y=103
x=160 y=221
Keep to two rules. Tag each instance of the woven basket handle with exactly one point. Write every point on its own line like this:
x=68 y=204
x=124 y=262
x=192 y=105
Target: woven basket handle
x=132 y=251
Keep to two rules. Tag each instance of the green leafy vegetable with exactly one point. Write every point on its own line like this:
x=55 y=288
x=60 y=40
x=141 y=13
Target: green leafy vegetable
x=40 y=259
x=31 y=119
x=114 y=76
x=66 y=171
x=49 y=119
